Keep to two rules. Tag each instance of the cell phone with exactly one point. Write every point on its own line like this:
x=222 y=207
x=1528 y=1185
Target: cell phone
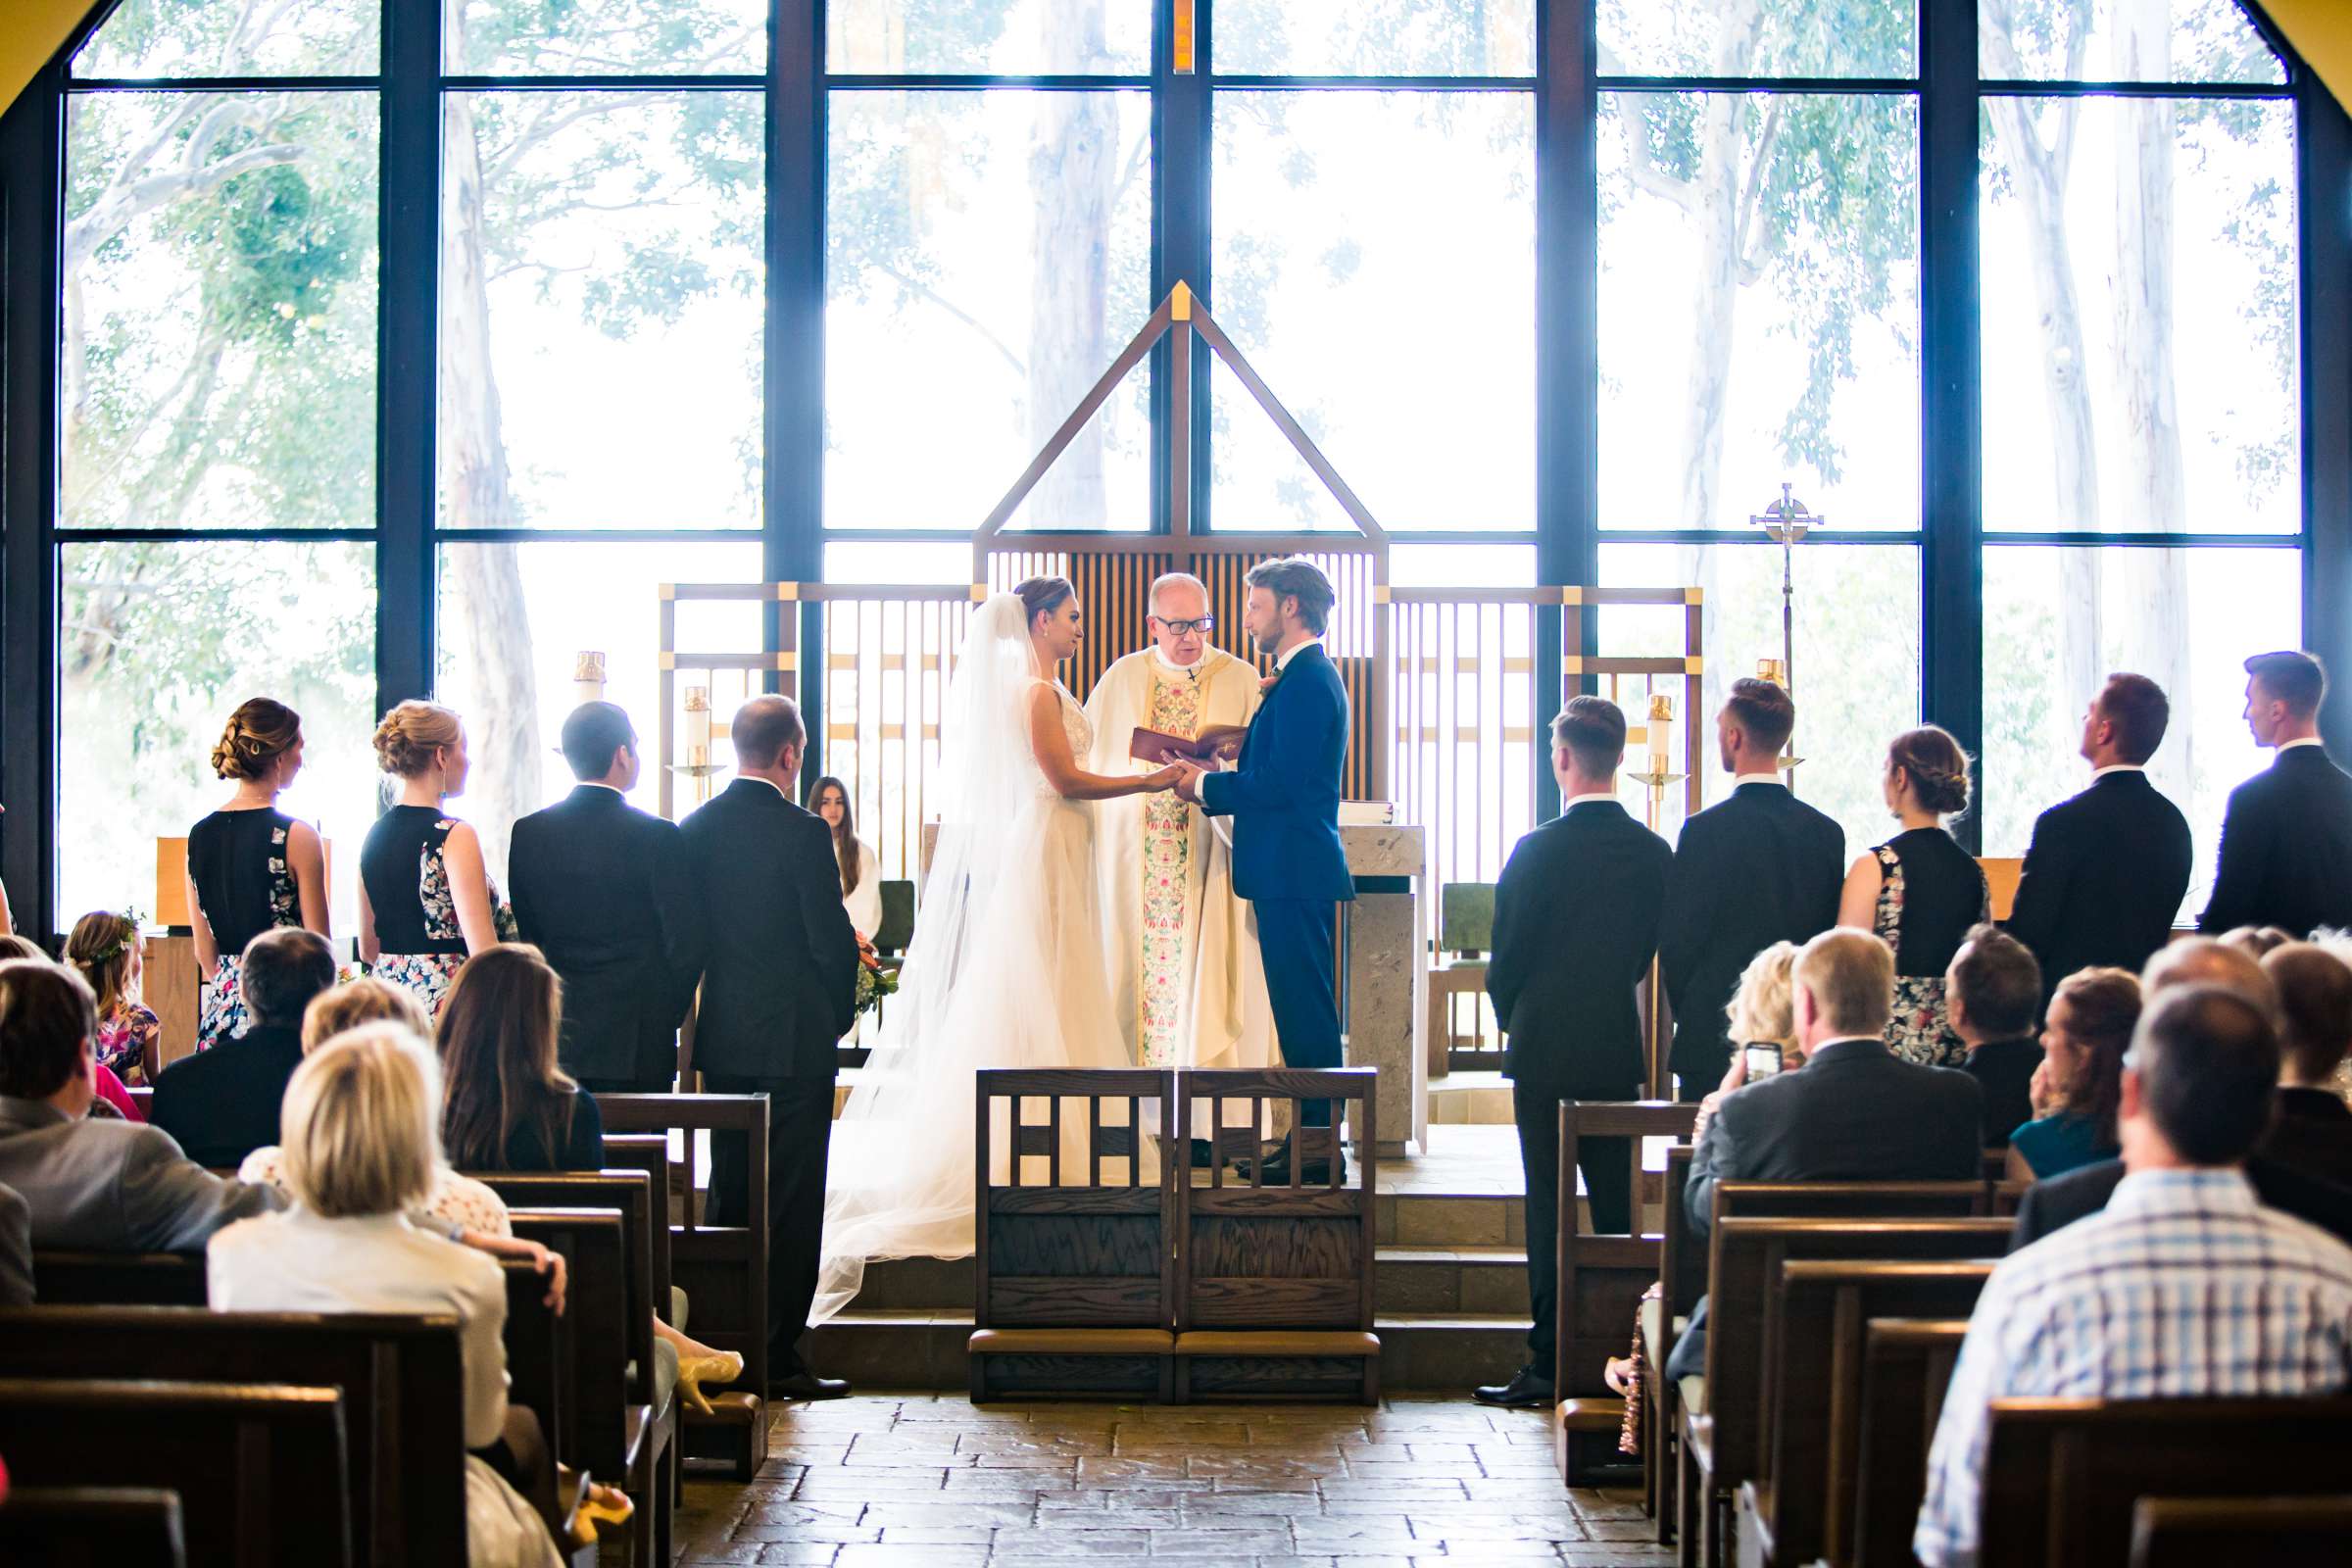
x=1762 y=1060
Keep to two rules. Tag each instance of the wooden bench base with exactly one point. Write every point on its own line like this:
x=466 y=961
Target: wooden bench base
x=734 y=1434
x=1578 y=1425
x=1071 y=1364
x=1284 y=1363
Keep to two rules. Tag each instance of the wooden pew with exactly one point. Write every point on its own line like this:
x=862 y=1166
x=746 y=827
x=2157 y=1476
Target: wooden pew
x=608 y=1430
x=2277 y=1531
x=1681 y=1281
x=2062 y=1476
x=1601 y=1281
x=1074 y=1273
x=262 y=1468
x=401 y=1376
x=1800 y=1505
x=92 y=1526
x=1274 y=1295
x=722 y=1269
x=1906 y=1365
x=1723 y=1446
x=118 y=1279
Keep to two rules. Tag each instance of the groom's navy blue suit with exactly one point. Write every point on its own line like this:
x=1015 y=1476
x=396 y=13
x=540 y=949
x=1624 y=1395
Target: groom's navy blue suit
x=1284 y=798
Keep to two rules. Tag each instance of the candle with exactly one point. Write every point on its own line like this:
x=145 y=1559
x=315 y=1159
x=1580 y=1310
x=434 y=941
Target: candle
x=1773 y=670
x=697 y=727
x=1661 y=726
x=588 y=675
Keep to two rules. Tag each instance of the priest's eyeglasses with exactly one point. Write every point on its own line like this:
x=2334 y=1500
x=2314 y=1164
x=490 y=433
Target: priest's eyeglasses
x=1182 y=628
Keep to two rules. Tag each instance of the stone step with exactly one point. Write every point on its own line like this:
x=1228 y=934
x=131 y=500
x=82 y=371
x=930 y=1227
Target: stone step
x=1470 y=1099
x=925 y=1350
x=1405 y=1278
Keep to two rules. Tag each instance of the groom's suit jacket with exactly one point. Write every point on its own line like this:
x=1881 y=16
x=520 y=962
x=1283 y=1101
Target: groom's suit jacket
x=781 y=976
x=1284 y=792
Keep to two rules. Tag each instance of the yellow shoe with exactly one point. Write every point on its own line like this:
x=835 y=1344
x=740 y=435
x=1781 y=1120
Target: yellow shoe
x=717 y=1370
x=604 y=1506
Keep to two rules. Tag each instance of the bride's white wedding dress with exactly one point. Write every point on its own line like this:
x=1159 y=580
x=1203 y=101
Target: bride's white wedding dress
x=1004 y=972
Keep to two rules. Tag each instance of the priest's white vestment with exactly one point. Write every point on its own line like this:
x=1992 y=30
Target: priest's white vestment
x=1179 y=949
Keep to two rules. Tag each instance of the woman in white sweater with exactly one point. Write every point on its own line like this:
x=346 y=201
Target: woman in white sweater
x=861 y=868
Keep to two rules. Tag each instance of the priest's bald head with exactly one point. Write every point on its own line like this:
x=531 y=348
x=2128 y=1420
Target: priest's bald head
x=1180 y=620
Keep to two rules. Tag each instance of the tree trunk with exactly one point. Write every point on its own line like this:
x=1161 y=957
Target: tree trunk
x=1073 y=166
x=486 y=622
x=1713 y=211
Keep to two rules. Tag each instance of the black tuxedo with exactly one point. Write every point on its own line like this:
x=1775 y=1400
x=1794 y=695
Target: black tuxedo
x=602 y=889
x=1758 y=867
x=2058 y=1202
x=2103 y=879
x=779 y=991
x=1576 y=922
x=1853 y=1112
x=221 y=1105
x=2286 y=848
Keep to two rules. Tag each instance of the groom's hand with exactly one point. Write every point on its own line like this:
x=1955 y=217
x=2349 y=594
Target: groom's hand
x=1188 y=781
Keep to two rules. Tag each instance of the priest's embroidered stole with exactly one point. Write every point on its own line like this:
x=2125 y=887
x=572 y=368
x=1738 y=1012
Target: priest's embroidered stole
x=1174 y=708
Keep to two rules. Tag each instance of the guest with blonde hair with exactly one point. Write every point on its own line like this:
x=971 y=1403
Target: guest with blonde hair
x=361 y=1000
x=108 y=951
x=427 y=898
x=251 y=867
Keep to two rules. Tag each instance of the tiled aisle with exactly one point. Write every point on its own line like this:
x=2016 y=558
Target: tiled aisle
x=923 y=1481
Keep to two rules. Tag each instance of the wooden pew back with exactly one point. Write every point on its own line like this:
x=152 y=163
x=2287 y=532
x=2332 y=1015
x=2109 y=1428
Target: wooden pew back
x=260 y=1468
x=118 y=1279
x=92 y=1526
x=2062 y=1476
x=1906 y=1365
x=1683 y=1246
x=2277 y=1531
x=1601 y=1277
x=650 y=1154
x=628 y=1192
x=590 y=1432
x=1849 y=1200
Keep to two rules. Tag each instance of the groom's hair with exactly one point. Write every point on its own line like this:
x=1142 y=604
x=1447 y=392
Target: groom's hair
x=1297 y=578
x=1590 y=729
x=592 y=736
x=763 y=727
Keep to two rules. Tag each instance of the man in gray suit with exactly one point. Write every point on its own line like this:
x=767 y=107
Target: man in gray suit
x=15 y=1250
x=92 y=1186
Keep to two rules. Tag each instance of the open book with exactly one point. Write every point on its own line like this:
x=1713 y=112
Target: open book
x=1158 y=748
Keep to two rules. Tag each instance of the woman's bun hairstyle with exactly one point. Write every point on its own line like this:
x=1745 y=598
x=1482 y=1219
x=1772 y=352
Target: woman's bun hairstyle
x=409 y=735
x=258 y=733
x=1936 y=765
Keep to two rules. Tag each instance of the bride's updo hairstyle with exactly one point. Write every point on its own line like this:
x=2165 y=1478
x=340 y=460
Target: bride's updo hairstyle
x=1041 y=596
x=258 y=733
x=409 y=735
x=1936 y=765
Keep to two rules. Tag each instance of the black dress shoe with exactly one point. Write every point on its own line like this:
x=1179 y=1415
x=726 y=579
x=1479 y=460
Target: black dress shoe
x=1313 y=1172
x=1203 y=1156
x=807 y=1384
x=1527 y=1390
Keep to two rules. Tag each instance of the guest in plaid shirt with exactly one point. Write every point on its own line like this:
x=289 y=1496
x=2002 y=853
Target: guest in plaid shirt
x=2184 y=1286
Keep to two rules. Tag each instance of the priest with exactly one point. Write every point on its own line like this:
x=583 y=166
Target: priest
x=1183 y=962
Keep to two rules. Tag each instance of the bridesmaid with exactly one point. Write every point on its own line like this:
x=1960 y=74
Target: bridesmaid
x=250 y=865
x=427 y=901
x=861 y=868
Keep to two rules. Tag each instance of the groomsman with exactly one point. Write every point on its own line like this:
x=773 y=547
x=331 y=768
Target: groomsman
x=779 y=991
x=601 y=887
x=1576 y=923
x=1758 y=867
x=2106 y=871
x=2286 y=839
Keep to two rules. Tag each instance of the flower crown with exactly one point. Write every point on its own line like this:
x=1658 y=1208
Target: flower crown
x=132 y=922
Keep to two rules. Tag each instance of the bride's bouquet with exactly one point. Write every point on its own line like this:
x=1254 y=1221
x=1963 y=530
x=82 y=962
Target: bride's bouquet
x=874 y=983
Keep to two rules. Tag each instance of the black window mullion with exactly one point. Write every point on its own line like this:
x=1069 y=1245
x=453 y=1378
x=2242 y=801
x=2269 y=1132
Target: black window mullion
x=2324 y=215
x=794 y=421
x=1182 y=152
x=406 y=350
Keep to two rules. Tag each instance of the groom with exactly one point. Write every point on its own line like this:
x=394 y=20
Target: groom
x=1284 y=798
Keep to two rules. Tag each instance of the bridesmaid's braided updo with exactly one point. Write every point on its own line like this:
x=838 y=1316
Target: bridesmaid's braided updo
x=258 y=733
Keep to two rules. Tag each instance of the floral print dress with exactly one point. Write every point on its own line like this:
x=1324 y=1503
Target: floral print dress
x=126 y=1033
x=427 y=929
x=1920 y=1029
x=244 y=883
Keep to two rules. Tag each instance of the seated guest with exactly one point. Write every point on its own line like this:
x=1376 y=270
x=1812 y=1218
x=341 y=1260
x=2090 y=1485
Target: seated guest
x=359 y=1152
x=601 y=889
x=2313 y=1129
x=106 y=949
x=1919 y=892
x=15 y=1250
x=250 y=867
x=426 y=900
x=2256 y=942
x=99 y=1186
x=1993 y=994
x=114 y=1099
x=2287 y=836
x=1576 y=924
x=2105 y=872
x=509 y=1105
x=2083 y=1037
x=1854 y=1112
x=861 y=866
x=2184 y=1287
x=2208 y=961
x=1758 y=867
x=222 y=1104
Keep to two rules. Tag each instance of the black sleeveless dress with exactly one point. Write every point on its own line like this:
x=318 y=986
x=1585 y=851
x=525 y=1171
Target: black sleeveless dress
x=244 y=885
x=419 y=943
x=1931 y=891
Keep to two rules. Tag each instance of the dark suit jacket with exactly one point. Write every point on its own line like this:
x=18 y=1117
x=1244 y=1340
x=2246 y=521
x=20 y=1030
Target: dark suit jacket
x=2286 y=848
x=780 y=974
x=1758 y=867
x=1576 y=921
x=2312 y=1134
x=16 y=1250
x=1283 y=792
x=602 y=888
x=2103 y=879
x=221 y=1105
x=2057 y=1202
x=2004 y=1070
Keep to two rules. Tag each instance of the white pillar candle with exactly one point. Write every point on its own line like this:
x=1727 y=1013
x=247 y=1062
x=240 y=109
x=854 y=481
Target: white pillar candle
x=698 y=725
x=588 y=675
x=1661 y=727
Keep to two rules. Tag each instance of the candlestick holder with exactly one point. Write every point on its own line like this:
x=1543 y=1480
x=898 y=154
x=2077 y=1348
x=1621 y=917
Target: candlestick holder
x=701 y=769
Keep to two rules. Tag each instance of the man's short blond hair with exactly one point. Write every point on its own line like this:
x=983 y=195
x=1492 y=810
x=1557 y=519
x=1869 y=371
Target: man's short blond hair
x=1851 y=976
x=364 y=1001
x=358 y=1124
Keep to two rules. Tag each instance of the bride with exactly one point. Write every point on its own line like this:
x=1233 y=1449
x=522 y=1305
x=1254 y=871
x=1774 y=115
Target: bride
x=993 y=978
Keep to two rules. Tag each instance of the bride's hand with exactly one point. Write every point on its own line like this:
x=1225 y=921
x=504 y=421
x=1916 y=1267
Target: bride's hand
x=1164 y=779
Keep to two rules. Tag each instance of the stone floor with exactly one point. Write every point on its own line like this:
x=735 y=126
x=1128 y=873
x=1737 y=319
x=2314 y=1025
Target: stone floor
x=929 y=1480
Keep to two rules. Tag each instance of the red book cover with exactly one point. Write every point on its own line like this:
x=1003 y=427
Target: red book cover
x=1158 y=748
